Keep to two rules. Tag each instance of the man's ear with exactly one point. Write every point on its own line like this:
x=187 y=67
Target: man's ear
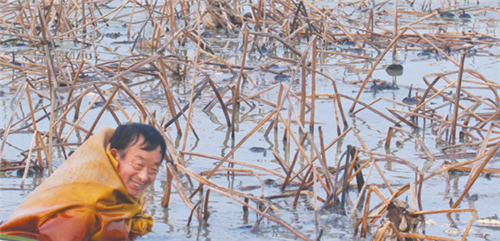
x=114 y=152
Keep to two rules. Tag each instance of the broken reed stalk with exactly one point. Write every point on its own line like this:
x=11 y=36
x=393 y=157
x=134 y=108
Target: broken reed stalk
x=427 y=100
x=35 y=129
x=182 y=111
x=135 y=99
x=315 y=193
x=338 y=23
x=395 y=31
x=475 y=174
x=425 y=237
x=303 y=95
x=168 y=94
x=28 y=159
x=219 y=98
x=107 y=107
x=335 y=101
x=349 y=165
x=179 y=187
x=281 y=161
x=419 y=194
x=139 y=66
x=370 y=104
x=80 y=118
x=294 y=137
x=388 y=138
x=329 y=190
x=51 y=80
x=238 y=83
x=339 y=104
x=400 y=118
x=383 y=178
x=469 y=225
x=235 y=162
x=393 y=42
x=7 y=129
x=487 y=139
x=434 y=46
x=314 y=147
x=370 y=108
x=447 y=211
x=232 y=194
x=288 y=177
x=165 y=201
x=420 y=142
x=235 y=148
x=381 y=232
x=457 y=100
x=287 y=90
x=91 y=130
x=206 y=214
x=364 y=222
x=307 y=178
x=362 y=194
x=313 y=85
x=270 y=217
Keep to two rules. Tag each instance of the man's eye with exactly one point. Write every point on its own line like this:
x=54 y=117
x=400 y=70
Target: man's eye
x=138 y=165
x=153 y=171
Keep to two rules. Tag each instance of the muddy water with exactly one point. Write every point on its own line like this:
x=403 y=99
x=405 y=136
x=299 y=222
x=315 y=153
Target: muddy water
x=227 y=220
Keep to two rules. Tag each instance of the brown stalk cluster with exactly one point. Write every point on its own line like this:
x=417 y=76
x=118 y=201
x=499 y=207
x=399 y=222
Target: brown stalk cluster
x=159 y=31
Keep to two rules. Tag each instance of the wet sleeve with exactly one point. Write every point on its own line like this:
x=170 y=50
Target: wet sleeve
x=141 y=224
x=71 y=224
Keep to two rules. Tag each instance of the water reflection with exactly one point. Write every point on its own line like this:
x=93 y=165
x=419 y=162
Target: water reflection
x=215 y=135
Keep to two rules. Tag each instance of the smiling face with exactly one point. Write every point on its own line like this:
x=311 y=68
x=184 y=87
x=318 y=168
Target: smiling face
x=137 y=168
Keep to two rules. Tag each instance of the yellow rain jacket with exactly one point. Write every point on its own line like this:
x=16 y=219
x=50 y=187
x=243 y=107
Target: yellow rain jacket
x=84 y=199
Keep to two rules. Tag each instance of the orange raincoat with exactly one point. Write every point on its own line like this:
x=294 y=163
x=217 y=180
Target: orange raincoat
x=84 y=199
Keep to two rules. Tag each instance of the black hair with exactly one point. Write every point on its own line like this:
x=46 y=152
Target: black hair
x=128 y=134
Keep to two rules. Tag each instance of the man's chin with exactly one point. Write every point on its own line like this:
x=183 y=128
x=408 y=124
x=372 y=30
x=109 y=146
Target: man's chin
x=134 y=192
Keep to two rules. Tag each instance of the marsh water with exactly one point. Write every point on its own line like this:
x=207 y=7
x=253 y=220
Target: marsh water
x=227 y=219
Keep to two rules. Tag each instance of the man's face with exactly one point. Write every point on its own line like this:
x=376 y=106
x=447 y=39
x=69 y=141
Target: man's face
x=137 y=168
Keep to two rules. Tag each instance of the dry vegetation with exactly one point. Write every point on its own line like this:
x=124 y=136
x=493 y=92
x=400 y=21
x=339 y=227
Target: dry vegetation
x=301 y=28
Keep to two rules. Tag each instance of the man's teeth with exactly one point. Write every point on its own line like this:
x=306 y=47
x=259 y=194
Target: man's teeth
x=135 y=184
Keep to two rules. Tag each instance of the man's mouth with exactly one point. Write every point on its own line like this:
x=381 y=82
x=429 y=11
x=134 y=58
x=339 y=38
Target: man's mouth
x=136 y=184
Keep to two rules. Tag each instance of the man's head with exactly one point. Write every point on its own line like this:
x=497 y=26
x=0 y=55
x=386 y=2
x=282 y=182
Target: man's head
x=139 y=150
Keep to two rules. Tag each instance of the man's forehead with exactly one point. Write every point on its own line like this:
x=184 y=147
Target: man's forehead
x=146 y=157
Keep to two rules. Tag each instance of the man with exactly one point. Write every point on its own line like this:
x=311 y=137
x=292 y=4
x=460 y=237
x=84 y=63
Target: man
x=96 y=193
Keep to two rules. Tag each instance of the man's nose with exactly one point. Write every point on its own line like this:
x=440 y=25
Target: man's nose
x=143 y=174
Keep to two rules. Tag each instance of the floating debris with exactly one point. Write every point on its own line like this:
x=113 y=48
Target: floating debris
x=20 y=173
x=272 y=66
x=383 y=85
x=394 y=70
x=473 y=198
x=464 y=16
x=282 y=78
x=269 y=181
x=446 y=15
x=258 y=150
x=215 y=15
x=409 y=100
x=425 y=54
x=113 y=35
x=249 y=188
x=122 y=42
x=98 y=104
x=14 y=62
x=453 y=230
x=489 y=222
x=397 y=213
